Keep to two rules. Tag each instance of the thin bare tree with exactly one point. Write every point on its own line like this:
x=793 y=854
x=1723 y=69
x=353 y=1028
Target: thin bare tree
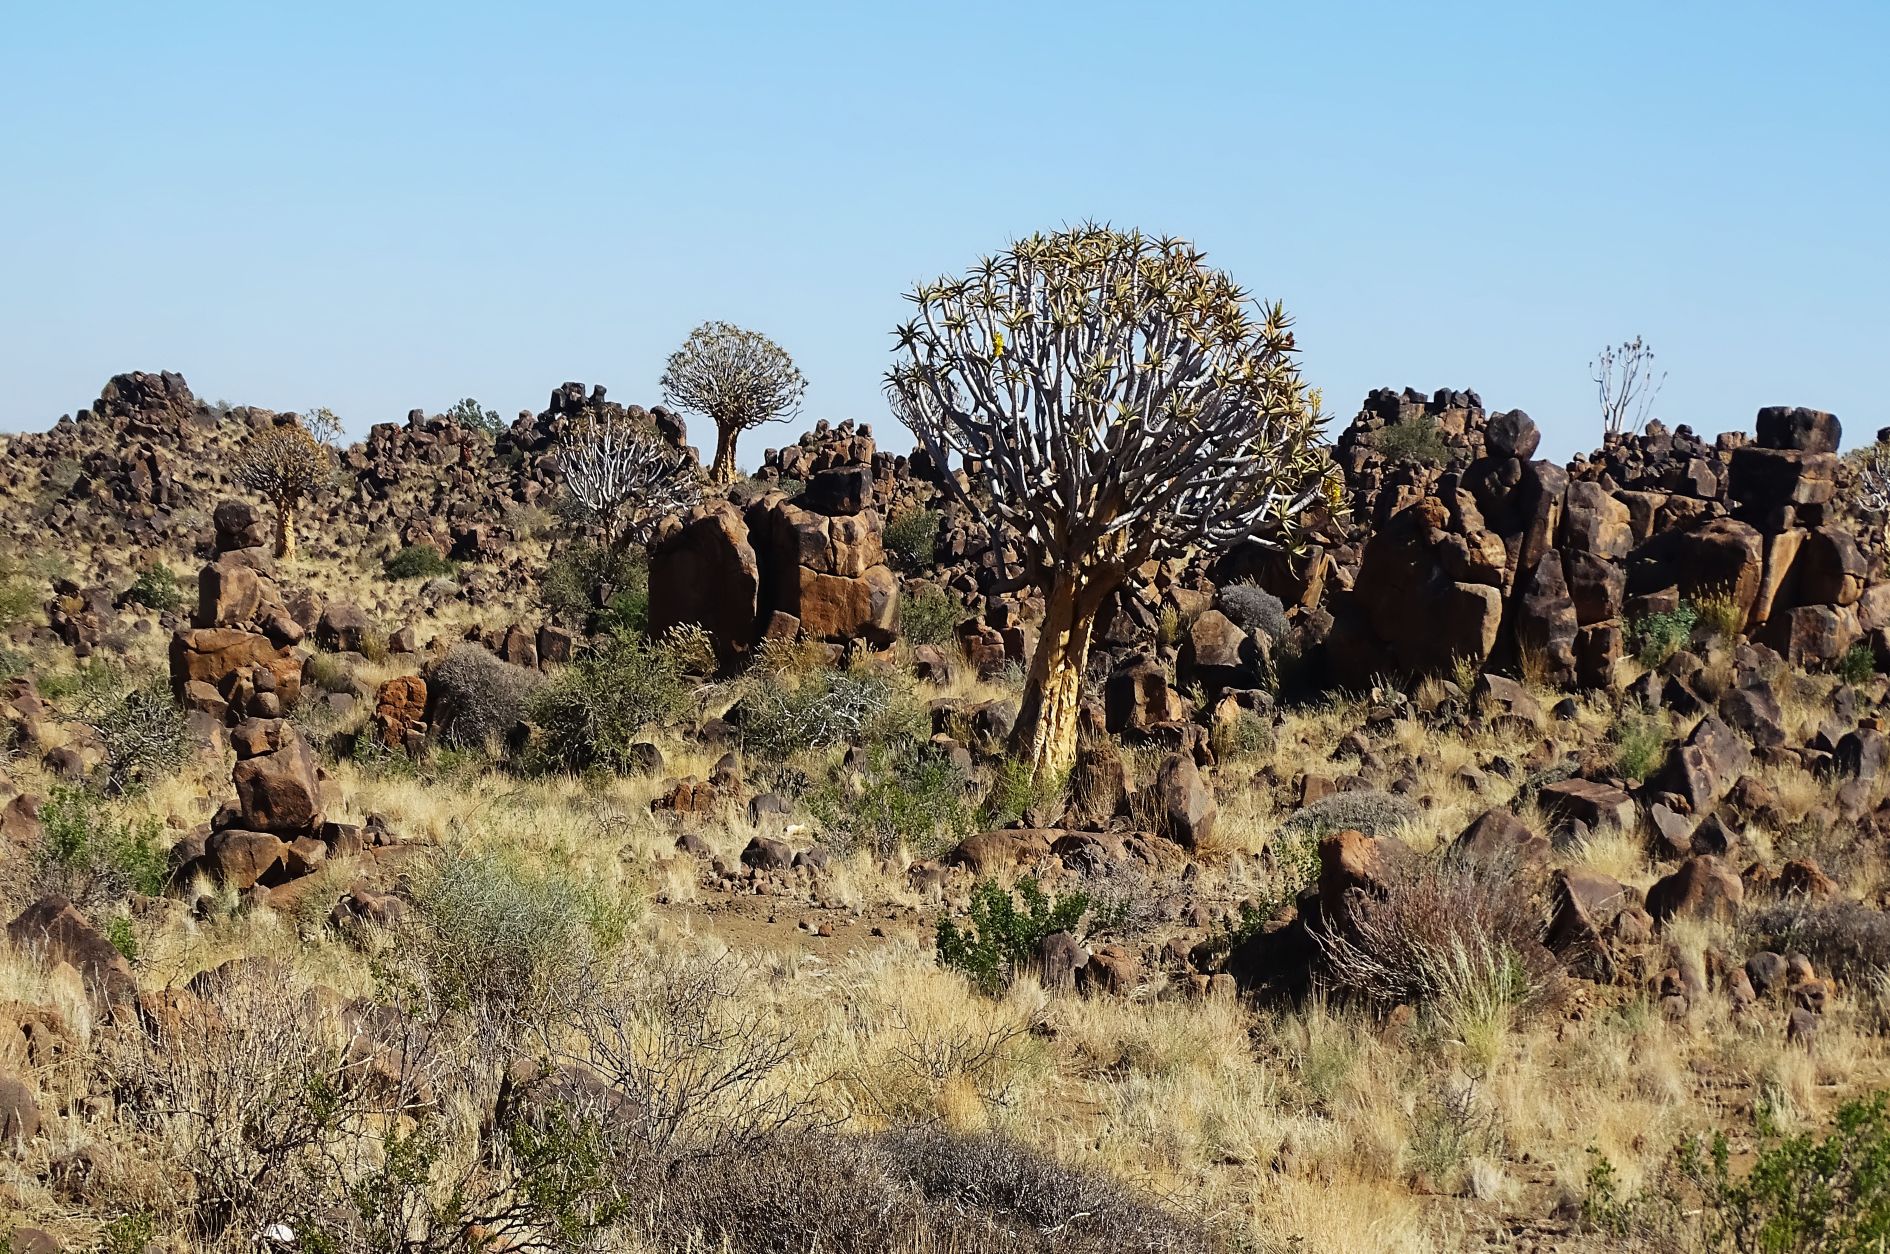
x=1114 y=401
x=738 y=379
x=1626 y=386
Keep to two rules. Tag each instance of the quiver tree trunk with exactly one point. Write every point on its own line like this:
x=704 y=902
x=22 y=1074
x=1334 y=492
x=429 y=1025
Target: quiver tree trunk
x=1044 y=736
x=722 y=469
x=285 y=530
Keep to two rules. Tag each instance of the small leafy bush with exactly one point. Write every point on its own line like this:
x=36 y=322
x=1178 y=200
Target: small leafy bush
x=928 y=613
x=478 y=697
x=1720 y=616
x=1857 y=665
x=420 y=561
x=1823 y=1193
x=1656 y=637
x=1374 y=813
x=156 y=588
x=1005 y=928
x=89 y=856
x=1640 y=738
x=1017 y=790
x=587 y=585
x=912 y=796
x=90 y=685
x=145 y=738
x=18 y=599
x=1418 y=440
x=591 y=714
x=912 y=537
x=1256 y=609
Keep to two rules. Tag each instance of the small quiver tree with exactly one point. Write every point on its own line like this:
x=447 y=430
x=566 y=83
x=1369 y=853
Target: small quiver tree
x=286 y=465
x=737 y=379
x=1116 y=402
x=622 y=476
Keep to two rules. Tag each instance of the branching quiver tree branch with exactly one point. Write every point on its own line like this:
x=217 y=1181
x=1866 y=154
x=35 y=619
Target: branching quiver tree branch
x=738 y=379
x=1626 y=386
x=286 y=465
x=1873 y=487
x=1115 y=401
x=623 y=476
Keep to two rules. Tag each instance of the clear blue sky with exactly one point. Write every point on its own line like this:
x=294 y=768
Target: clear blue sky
x=378 y=207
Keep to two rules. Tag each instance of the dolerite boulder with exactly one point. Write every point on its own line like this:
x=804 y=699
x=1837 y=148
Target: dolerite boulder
x=1722 y=557
x=826 y=570
x=1424 y=595
x=706 y=574
x=343 y=627
x=53 y=928
x=1216 y=654
x=1799 y=429
x=1707 y=765
x=1184 y=803
x=277 y=786
x=239 y=525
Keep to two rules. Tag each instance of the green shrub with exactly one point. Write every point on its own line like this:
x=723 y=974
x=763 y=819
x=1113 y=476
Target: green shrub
x=19 y=601
x=1245 y=734
x=781 y=716
x=91 y=684
x=1814 y=1193
x=586 y=586
x=145 y=738
x=1639 y=737
x=1857 y=665
x=1418 y=440
x=1656 y=637
x=1005 y=929
x=88 y=856
x=471 y=414
x=591 y=714
x=156 y=588
x=1016 y=791
x=928 y=613
x=912 y=796
x=912 y=537
x=420 y=561
x=498 y=933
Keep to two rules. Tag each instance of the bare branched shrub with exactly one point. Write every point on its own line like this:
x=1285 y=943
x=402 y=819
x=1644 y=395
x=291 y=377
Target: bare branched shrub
x=145 y=739
x=1846 y=938
x=1453 y=936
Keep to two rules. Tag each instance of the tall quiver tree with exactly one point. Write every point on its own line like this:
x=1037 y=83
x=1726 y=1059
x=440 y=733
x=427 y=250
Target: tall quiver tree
x=1116 y=402
x=286 y=465
x=737 y=379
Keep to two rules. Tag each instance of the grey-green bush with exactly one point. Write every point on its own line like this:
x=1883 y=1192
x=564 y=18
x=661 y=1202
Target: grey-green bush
x=1374 y=813
x=479 y=698
x=1256 y=609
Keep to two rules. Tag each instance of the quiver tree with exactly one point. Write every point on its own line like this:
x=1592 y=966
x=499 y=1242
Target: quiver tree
x=1115 y=401
x=1625 y=386
x=737 y=379
x=622 y=475
x=286 y=465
